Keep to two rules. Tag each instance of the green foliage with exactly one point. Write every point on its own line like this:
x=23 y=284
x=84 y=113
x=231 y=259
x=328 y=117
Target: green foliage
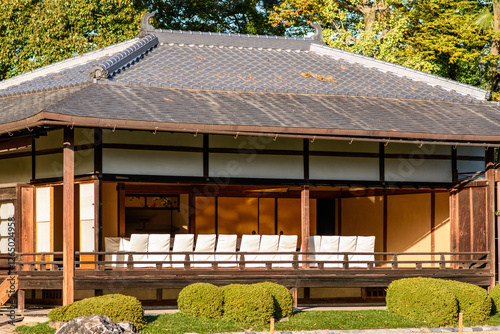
x=201 y=300
x=249 y=304
x=282 y=297
x=117 y=307
x=230 y=16
x=441 y=37
x=495 y=299
x=34 y=33
x=473 y=301
x=36 y=329
x=422 y=299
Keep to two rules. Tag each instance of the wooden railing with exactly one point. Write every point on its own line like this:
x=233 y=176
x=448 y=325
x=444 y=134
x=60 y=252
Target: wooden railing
x=52 y=261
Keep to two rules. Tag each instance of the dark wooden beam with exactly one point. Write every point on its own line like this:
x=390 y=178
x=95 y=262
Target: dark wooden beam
x=381 y=162
x=33 y=158
x=121 y=209
x=98 y=151
x=305 y=157
x=68 y=216
x=206 y=148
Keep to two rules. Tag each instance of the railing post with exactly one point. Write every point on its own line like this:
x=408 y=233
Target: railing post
x=130 y=262
x=370 y=265
x=187 y=262
x=158 y=266
x=295 y=263
x=43 y=266
x=418 y=265
x=394 y=262
x=242 y=262
x=442 y=262
x=345 y=264
x=215 y=265
x=18 y=266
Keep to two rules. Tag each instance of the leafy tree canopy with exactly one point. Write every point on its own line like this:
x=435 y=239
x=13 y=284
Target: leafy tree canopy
x=436 y=36
x=230 y=16
x=34 y=33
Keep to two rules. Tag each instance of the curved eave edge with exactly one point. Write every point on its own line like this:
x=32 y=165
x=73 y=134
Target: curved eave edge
x=402 y=71
x=53 y=119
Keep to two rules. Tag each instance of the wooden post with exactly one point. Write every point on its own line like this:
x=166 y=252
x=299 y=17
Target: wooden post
x=490 y=210
x=21 y=300
x=98 y=221
x=121 y=210
x=305 y=222
x=294 y=295
x=68 y=217
x=460 y=322
x=271 y=328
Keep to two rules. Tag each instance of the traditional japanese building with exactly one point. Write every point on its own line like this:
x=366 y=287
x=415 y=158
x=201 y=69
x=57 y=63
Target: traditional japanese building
x=178 y=132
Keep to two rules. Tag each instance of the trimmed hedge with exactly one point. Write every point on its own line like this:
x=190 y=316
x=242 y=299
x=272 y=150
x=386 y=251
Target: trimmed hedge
x=282 y=298
x=117 y=307
x=201 y=300
x=495 y=299
x=437 y=301
x=249 y=304
x=473 y=301
x=422 y=299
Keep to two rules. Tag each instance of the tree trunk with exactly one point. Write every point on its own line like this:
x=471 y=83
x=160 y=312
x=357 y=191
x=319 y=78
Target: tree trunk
x=495 y=44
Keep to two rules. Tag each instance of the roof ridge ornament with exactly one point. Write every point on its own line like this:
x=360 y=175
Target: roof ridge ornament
x=318 y=33
x=125 y=58
x=145 y=26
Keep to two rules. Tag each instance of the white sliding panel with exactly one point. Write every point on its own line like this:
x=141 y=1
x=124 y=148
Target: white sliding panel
x=43 y=219
x=87 y=217
x=6 y=213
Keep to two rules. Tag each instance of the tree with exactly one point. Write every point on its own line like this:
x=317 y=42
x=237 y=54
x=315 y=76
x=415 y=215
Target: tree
x=34 y=33
x=435 y=36
x=230 y=16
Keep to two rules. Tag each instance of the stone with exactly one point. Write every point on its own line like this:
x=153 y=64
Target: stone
x=97 y=324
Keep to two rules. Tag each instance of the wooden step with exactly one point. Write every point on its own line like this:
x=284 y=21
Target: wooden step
x=8 y=288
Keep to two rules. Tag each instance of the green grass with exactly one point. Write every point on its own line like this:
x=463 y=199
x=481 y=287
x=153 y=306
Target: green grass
x=312 y=320
x=41 y=328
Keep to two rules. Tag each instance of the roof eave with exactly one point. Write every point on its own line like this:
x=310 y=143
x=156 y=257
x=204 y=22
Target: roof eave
x=54 y=119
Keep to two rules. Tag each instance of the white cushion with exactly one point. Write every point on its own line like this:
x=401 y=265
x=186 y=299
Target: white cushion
x=250 y=243
x=329 y=244
x=226 y=243
x=287 y=243
x=182 y=243
x=364 y=245
x=268 y=243
x=139 y=243
x=159 y=243
x=314 y=247
x=111 y=244
x=347 y=244
x=204 y=243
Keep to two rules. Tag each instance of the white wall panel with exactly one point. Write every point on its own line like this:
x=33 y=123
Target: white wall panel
x=15 y=170
x=43 y=236
x=53 y=139
x=224 y=165
x=417 y=170
x=6 y=210
x=84 y=162
x=475 y=151
x=343 y=168
x=87 y=201
x=139 y=162
x=87 y=235
x=50 y=165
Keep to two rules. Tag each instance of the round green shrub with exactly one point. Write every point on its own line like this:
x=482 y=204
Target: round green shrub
x=117 y=307
x=422 y=299
x=249 y=304
x=495 y=299
x=473 y=301
x=201 y=300
x=282 y=298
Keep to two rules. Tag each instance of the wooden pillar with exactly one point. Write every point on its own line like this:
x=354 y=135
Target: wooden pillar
x=121 y=210
x=192 y=213
x=305 y=222
x=490 y=210
x=21 y=300
x=68 y=216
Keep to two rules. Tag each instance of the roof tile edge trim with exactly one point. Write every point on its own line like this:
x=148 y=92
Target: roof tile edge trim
x=66 y=63
x=124 y=58
x=399 y=70
x=222 y=34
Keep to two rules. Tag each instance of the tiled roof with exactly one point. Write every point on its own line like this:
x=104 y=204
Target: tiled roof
x=271 y=70
x=287 y=110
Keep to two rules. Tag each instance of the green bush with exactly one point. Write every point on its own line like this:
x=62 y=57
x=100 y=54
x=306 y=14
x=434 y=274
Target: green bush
x=473 y=301
x=282 y=298
x=422 y=299
x=249 y=304
x=201 y=300
x=495 y=299
x=117 y=307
